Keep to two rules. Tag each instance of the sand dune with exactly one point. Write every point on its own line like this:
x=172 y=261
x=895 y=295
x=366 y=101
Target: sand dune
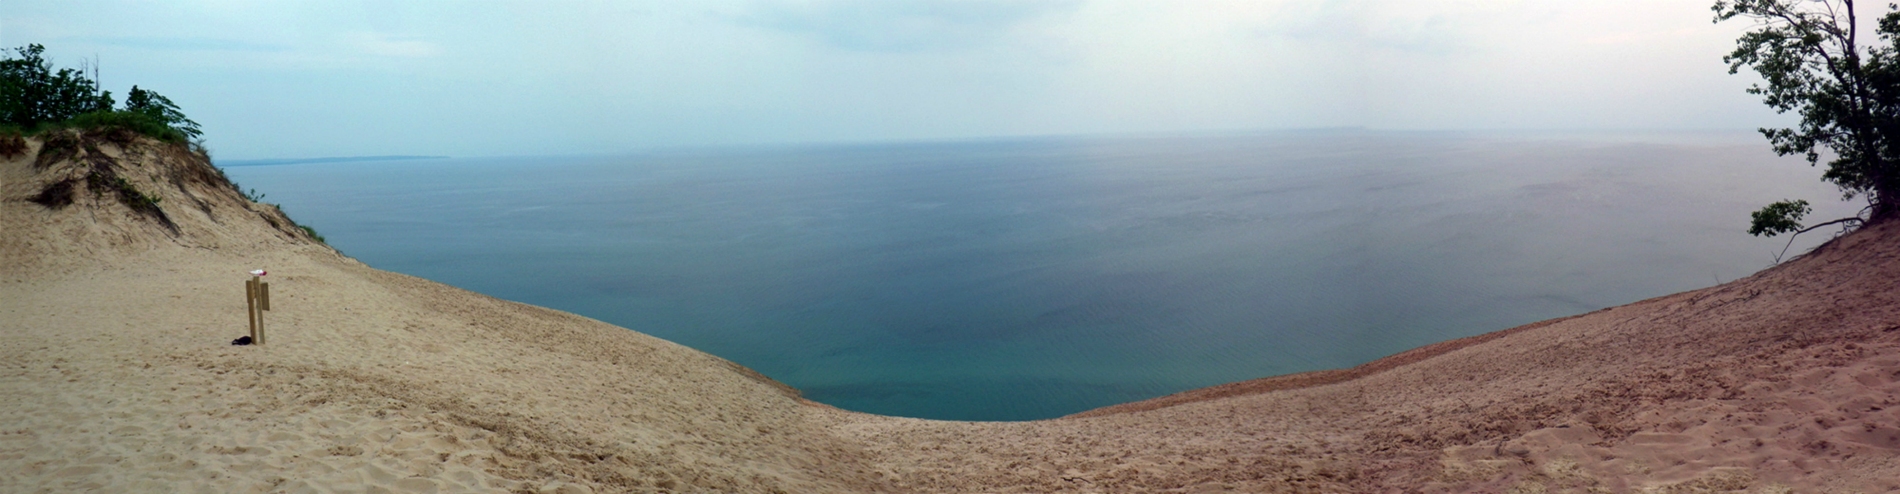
x=115 y=359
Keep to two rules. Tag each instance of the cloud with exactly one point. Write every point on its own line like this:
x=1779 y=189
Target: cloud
x=908 y=26
x=181 y=43
x=1430 y=30
x=627 y=74
x=388 y=45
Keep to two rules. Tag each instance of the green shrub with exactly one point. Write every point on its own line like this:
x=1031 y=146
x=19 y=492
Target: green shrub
x=312 y=232
x=140 y=123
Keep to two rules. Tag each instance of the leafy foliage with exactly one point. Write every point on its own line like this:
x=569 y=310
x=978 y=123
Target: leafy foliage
x=162 y=110
x=32 y=93
x=1778 y=218
x=1848 y=96
x=35 y=98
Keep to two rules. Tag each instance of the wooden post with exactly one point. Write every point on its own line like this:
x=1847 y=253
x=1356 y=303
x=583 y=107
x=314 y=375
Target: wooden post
x=263 y=304
x=250 y=306
x=256 y=301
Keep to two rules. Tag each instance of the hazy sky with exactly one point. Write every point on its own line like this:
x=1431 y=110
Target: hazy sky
x=289 y=79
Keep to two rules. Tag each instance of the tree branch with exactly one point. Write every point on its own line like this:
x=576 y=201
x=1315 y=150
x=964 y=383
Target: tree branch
x=1784 y=249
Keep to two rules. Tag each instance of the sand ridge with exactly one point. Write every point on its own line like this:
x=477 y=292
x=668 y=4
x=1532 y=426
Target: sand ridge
x=114 y=354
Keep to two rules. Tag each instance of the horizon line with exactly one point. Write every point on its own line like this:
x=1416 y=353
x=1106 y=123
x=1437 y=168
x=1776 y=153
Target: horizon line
x=1004 y=137
x=330 y=159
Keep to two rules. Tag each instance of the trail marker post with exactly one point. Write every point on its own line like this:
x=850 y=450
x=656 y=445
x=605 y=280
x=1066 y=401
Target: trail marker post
x=256 y=301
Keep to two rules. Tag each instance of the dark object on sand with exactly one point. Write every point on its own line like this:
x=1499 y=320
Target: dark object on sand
x=242 y=340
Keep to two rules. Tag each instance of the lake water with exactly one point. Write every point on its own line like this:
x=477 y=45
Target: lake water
x=1031 y=278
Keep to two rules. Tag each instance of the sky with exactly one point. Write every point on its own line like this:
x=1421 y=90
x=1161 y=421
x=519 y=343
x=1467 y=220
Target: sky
x=286 y=79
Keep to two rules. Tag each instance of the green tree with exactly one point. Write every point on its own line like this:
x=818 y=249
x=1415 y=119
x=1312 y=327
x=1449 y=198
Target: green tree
x=32 y=93
x=151 y=104
x=34 y=97
x=1848 y=96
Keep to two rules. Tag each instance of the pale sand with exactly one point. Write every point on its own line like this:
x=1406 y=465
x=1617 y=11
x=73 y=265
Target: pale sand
x=119 y=377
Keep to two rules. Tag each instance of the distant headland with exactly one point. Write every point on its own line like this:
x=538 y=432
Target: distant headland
x=333 y=159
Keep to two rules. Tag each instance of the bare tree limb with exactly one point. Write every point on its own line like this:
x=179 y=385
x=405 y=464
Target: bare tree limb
x=1857 y=221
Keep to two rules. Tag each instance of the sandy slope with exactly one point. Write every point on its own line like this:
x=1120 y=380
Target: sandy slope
x=1786 y=380
x=115 y=362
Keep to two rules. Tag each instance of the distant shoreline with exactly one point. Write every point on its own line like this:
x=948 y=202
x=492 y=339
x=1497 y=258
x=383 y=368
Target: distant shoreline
x=336 y=159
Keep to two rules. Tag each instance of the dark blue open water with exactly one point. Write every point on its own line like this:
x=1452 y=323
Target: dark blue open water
x=1032 y=278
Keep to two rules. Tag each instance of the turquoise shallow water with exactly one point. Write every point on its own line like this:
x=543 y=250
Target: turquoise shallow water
x=1031 y=278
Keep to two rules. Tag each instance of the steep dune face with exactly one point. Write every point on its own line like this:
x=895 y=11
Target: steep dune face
x=115 y=330
x=1789 y=379
x=116 y=313
x=74 y=198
